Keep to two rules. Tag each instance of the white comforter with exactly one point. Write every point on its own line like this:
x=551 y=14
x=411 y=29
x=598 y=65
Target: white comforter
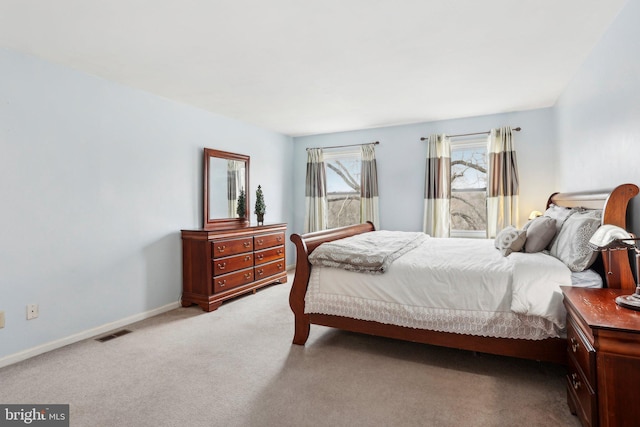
x=451 y=285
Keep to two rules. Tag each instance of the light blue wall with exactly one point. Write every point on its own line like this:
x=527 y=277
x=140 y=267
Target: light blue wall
x=96 y=181
x=598 y=114
x=401 y=163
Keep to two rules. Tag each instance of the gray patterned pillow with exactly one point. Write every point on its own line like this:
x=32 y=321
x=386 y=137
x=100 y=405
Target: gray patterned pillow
x=510 y=239
x=571 y=244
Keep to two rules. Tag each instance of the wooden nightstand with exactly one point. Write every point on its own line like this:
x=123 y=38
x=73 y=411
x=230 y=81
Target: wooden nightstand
x=603 y=383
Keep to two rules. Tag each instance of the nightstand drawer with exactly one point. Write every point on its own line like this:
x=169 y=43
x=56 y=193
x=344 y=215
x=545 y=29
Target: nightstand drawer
x=581 y=350
x=222 y=248
x=584 y=397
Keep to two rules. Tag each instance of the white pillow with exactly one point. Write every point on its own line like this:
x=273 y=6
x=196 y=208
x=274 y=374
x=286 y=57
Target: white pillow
x=510 y=239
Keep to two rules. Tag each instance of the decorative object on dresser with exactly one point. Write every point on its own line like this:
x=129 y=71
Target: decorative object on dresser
x=222 y=264
x=603 y=340
x=260 y=207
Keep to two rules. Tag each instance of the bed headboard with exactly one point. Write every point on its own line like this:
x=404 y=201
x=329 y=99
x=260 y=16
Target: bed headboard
x=614 y=211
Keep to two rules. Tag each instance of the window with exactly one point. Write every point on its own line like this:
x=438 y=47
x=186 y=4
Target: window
x=469 y=188
x=343 y=169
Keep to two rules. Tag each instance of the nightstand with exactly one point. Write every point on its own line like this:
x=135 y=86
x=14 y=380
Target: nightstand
x=603 y=342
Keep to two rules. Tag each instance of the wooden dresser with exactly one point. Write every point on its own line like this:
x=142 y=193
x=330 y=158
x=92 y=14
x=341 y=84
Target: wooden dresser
x=603 y=382
x=222 y=264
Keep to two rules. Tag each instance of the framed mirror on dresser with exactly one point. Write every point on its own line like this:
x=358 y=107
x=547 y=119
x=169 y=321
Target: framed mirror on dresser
x=229 y=257
x=226 y=176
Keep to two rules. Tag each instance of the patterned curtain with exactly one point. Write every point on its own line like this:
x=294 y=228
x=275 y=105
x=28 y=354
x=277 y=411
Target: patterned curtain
x=369 y=186
x=437 y=193
x=315 y=217
x=502 y=182
x=233 y=190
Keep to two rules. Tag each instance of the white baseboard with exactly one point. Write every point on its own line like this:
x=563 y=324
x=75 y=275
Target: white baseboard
x=90 y=333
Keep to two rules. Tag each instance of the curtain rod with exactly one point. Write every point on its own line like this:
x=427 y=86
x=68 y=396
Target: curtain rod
x=518 y=129
x=342 y=146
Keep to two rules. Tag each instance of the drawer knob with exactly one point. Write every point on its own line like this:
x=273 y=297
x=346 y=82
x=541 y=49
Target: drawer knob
x=279 y=252
x=259 y=256
x=247 y=275
x=260 y=272
x=574 y=345
x=222 y=248
x=260 y=242
x=575 y=382
x=279 y=239
x=222 y=266
x=279 y=266
x=221 y=283
x=246 y=244
x=247 y=258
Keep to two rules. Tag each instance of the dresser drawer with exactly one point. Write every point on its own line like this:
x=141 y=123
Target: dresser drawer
x=263 y=241
x=266 y=270
x=232 y=263
x=268 y=255
x=232 y=280
x=581 y=350
x=223 y=248
x=580 y=391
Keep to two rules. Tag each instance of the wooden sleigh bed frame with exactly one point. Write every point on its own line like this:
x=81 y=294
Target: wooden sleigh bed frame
x=617 y=267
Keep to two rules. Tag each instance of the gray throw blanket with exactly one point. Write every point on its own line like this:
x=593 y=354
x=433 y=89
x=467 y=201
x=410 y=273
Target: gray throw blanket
x=367 y=252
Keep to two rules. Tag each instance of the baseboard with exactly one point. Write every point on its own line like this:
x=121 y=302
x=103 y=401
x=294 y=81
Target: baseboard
x=90 y=333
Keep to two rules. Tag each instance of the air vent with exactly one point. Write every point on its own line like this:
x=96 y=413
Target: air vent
x=113 y=335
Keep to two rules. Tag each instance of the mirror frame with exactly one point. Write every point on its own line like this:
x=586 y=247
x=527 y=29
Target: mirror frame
x=222 y=223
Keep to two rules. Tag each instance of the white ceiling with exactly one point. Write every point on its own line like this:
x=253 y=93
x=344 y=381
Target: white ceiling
x=304 y=67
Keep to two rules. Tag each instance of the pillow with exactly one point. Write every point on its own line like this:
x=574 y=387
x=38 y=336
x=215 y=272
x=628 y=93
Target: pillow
x=560 y=214
x=540 y=232
x=510 y=239
x=571 y=244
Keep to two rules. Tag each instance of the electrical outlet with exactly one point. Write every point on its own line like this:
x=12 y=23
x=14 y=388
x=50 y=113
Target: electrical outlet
x=1 y=319
x=32 y=311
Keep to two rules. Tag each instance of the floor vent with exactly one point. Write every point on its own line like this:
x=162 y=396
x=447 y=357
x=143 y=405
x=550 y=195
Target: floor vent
x=113 y=335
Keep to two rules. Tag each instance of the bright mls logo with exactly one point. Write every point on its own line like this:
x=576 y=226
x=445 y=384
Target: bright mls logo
x=34 y=415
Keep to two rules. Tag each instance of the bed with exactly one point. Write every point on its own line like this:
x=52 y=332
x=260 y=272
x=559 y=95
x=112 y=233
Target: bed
x=550 y=346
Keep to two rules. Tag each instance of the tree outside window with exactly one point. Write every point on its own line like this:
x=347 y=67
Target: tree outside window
x=469 y=188
x=343 y=170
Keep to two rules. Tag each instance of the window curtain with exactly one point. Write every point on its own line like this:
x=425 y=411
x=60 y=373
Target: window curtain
x=233 y=181
x=369 y=210
x=502 y=185
x=437 y=193
x=315 y=217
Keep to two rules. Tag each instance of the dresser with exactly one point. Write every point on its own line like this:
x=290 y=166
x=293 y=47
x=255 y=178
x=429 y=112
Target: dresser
x=222 y=264
x=603 y=344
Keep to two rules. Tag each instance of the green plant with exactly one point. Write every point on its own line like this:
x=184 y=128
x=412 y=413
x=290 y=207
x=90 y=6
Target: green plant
x=260 y=207
x=241 y=210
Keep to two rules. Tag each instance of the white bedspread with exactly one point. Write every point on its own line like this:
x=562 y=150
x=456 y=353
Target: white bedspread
x=451 y=285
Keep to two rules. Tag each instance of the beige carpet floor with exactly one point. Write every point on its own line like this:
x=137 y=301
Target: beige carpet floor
x=237 y=367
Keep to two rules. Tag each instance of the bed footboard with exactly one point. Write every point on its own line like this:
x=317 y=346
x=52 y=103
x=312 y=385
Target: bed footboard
x=305 y=244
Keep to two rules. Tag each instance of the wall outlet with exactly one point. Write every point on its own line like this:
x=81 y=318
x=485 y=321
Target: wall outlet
x=1 y=319
x=32 y=311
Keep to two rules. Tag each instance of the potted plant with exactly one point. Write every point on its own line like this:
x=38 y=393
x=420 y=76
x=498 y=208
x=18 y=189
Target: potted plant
x=260 y=206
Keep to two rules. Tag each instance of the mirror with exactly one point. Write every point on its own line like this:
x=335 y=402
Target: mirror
x=226 y=176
